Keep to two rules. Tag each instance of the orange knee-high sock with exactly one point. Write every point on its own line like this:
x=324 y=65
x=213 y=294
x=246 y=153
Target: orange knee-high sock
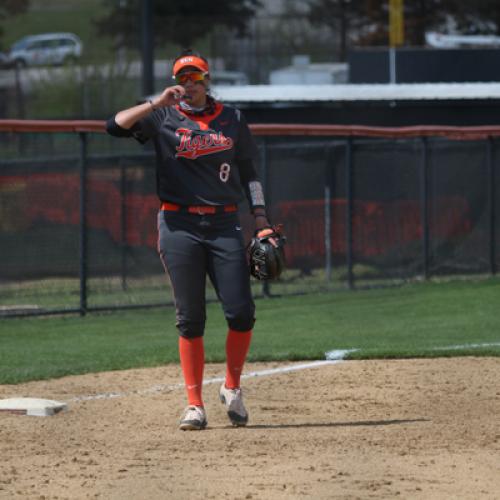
x=192 y=355
x=237 y=345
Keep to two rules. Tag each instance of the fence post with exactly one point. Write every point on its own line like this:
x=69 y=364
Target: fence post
x=328 y=214
x=492 y=204
x=349 y=210
x=147 y=47
x=266 y=287
x=83 y=223
x=123 y=225
x=424 y=202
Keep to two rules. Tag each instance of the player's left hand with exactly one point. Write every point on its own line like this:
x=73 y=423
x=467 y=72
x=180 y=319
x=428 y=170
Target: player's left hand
x=267 y=230
x=266 y=250
x=263 y=228
x=261 y=223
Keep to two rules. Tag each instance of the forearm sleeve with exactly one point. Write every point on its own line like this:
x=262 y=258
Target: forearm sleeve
x=251 y=184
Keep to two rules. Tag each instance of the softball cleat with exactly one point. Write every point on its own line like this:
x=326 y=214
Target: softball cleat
x=233 y=401
x=194 y=418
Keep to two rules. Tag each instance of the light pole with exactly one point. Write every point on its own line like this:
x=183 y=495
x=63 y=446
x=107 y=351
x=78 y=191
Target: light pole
x=147 y=47
x=396 y=35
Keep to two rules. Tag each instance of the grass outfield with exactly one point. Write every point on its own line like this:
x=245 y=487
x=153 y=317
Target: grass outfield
x=409 y=321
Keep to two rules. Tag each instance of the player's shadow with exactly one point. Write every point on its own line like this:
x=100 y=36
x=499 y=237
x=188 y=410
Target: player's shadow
x=359 y=423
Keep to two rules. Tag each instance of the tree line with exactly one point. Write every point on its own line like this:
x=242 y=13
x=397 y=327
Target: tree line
x=360 y=22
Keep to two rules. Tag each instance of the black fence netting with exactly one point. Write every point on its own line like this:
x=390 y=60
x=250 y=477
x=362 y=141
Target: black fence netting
x=459 y=208
x=78 y=216
x=386 y=220
x=122 y=262
x=39 y=220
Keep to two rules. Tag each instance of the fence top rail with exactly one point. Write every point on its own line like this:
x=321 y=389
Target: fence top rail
x=52 y=126
x=280 y=129
x=451 y=132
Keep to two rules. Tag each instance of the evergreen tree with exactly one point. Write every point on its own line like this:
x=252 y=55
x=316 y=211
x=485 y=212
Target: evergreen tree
x=176 y=21
x=9 y=8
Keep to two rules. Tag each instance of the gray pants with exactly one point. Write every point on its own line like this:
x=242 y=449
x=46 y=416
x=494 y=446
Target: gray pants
x=192 y=246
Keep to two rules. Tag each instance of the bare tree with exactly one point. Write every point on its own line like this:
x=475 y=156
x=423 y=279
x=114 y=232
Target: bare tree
x=366 y=22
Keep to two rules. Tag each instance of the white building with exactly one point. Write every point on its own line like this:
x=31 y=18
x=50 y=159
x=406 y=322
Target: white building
x=302 y=71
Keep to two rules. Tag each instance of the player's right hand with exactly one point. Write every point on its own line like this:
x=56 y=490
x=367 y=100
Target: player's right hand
x=169 y=97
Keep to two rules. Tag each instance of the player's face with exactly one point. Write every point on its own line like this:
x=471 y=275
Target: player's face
x=195 y=84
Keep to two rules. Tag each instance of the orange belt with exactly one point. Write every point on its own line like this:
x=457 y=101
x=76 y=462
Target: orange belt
x=198 y=209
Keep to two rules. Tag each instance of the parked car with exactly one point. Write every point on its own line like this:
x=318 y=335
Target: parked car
x=45 y=49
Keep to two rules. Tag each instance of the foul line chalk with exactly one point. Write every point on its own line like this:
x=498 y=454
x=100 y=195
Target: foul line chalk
x=466 y=346
x=333 y=357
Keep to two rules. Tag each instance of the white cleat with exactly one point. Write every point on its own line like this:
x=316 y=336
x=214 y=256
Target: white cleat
x=233 y=401
x=194 y=418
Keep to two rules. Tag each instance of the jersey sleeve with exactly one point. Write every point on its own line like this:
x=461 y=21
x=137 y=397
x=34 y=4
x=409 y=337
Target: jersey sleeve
x=112 y=128
x=149 y=126
x=246 y=155
x=246 y=149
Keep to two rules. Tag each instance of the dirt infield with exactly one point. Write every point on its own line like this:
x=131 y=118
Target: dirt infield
x=359 y=429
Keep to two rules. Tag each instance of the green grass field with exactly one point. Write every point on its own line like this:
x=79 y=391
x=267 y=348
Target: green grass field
x=409 y=321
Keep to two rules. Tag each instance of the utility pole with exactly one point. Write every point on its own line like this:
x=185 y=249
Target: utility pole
x=147 y=47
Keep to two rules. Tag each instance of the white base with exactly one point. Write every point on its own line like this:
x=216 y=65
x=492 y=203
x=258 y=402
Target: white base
x=32 y=406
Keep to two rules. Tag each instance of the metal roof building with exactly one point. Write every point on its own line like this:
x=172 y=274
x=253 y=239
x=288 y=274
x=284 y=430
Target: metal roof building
x=358 y=92
x=368 y=104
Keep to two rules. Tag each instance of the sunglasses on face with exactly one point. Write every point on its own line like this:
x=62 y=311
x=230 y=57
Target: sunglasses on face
x=194 y=77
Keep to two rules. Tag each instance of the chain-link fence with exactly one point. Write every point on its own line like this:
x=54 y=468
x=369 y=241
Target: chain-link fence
x=108 y=75
x=360 y=207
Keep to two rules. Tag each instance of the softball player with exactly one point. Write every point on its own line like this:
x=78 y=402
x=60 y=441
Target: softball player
x=205 y=156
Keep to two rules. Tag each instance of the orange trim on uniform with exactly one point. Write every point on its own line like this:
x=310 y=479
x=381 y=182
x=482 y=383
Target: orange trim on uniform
x=237 y=345
x=171 y=207
x=194 y=61
x=202 y=120
x=198 y=209
x=192 y=357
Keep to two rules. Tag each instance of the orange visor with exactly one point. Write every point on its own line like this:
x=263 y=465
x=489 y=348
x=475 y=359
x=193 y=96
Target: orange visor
x=192 y=61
